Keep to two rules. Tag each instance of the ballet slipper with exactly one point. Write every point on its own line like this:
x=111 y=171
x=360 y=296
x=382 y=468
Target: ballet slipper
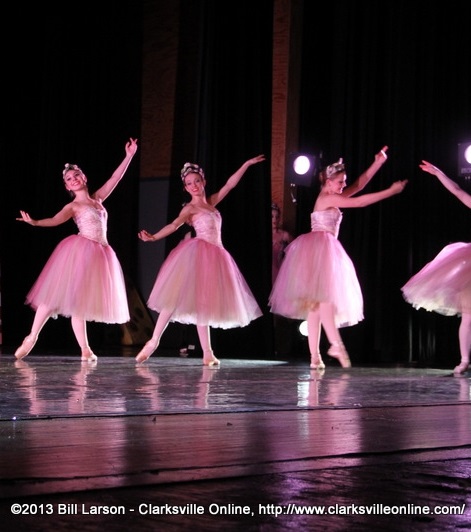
x=146 y=351
x=317 y=362
x=461 y=368
x=337 y=350
x=26 y=346
x=209 y=359
x=90 y=362
x=88 y=354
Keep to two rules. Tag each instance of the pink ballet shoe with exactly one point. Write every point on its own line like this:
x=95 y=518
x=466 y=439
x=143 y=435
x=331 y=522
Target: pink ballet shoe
x=337 y=350
x=317 y=362
x=461 y=368
x=88 y=354
x=90 y=363
x=209 y=359
x=146 y=351
x=26 y=346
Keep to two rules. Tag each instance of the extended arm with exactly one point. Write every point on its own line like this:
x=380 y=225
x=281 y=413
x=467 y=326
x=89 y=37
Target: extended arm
x=234 y=180
x=448 y=183
x=361 y=182
x=105 y=190
x=168 y=229
x=66 y=213
x=338 y=200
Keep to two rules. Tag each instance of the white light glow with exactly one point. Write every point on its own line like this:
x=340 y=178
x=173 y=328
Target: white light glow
x=467 y=154
x=303 y=328
x=301 y=165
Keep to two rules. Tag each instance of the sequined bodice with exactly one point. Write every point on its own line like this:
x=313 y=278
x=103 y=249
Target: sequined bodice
x=328 y=220
x=92 y=224
x=208 y=227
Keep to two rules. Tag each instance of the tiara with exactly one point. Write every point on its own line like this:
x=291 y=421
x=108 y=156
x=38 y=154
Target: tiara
x=68 y=167
x=334 y=168
x=191 y=168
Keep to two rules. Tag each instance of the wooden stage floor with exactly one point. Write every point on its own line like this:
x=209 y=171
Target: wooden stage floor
x=254 y=445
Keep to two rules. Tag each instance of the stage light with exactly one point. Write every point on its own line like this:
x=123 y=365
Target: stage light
x=301 y=169
x=301 y=165
x=303 y=328
x=464 y=161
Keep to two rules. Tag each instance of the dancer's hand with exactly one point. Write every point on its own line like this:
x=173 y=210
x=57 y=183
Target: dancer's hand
x=398 y=186
x=25 y=217
x=145 y=236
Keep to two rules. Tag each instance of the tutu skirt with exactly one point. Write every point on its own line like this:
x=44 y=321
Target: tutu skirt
x=444 y=284
x=84 y=279
x=200 y=283
x=316 y=269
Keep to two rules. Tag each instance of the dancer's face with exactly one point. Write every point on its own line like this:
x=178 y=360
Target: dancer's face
x=275 y=218
x=337 y=183
x=74 y=180
x=194 y=184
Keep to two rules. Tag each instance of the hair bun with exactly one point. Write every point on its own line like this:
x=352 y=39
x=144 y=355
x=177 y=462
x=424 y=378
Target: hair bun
x=334 y=168
x=191 y=168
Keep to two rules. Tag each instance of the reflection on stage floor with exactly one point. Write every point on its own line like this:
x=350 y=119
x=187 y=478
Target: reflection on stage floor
x=172 y=427
x=62 y=386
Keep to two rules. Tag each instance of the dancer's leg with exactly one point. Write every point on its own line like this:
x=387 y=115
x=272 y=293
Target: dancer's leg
x=464 y=335
x=314 y=337
x=337 y=349
x=79 y=327
x=40 y=318
x=205 y=340
x=160 y=326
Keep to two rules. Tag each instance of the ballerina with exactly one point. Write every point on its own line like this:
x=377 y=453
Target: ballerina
x=317 y=280
x=83 y=278
x=199 y=282
x=444 y=284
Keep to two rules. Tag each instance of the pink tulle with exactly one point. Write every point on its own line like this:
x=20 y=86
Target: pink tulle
x=84 y=279
x=200 y=283
x=316 y=268
x=444 y=284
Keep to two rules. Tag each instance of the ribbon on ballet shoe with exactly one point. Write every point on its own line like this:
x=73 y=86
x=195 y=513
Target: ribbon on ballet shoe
x=88 y=354
x=317 y=362
x=461 y=368
x=209 y=359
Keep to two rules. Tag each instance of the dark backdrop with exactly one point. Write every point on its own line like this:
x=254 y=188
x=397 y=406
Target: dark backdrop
x=394 y=73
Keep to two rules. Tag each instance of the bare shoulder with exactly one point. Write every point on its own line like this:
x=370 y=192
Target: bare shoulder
x=71 y=208
x=321 y=203
x=186 y=213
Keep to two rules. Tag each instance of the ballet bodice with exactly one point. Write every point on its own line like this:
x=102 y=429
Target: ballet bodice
x=92 y=224
x=328 y=220
x=208 y=227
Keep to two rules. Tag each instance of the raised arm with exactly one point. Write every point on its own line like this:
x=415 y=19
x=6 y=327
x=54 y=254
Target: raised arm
x=342 y=202
x=448 y=183
x=107 y=188
x=66 y=213
x=234 y=179
x=361 y=182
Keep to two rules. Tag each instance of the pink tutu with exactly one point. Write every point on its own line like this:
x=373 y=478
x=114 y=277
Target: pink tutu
x=316 y=268
x=444 y=284
x=200 y=283
x=82 y=278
